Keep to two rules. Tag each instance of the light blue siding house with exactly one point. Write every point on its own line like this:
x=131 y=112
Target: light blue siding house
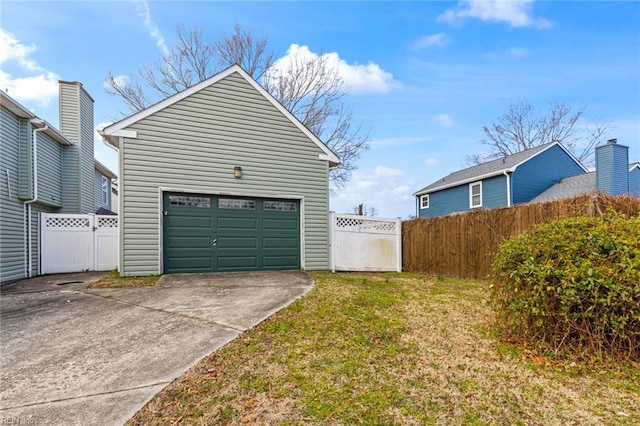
x=44 y=170
x=514 y=179
x=613 y=175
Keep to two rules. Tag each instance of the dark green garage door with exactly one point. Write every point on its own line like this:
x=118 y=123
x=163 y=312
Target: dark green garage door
x=208 y=233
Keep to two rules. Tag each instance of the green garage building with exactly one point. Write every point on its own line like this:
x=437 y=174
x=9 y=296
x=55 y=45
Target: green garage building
x=221 y=177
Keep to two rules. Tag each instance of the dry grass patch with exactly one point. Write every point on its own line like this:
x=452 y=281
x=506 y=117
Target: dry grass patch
x=389 y=349
x=114 y=280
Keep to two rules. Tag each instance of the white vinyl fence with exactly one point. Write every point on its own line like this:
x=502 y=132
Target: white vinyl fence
x=78 y=242
x=362 y=243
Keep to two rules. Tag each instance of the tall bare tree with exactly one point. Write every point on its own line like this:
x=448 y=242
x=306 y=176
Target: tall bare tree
x=523 y=127
x=307 y=86
x=313 y=91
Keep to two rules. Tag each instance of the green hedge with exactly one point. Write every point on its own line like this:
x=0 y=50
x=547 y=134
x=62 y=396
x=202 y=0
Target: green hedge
x=572 y=287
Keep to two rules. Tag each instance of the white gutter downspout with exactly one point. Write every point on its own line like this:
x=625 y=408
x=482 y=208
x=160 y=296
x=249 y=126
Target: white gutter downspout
x=27 y=204
x=508 y=187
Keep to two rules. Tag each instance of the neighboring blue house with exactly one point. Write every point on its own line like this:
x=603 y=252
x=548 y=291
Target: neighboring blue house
x=45 y=170
x=510 y=180
x=613 y=175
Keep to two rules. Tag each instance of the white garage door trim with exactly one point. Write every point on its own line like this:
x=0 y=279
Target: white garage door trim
x=162 y=190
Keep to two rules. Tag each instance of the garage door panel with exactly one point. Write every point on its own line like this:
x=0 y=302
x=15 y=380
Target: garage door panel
x=202 y=263
x=278 y=224
x=237 y=242
x=189 y=242
x=237 y=223
x=235 y=263
x=189 y=222
x=280 y=262
x=280 y=243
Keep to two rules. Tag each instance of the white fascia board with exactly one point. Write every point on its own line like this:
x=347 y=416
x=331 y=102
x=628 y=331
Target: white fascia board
x=57 y=135
x=462 y=182
x=20 y=111
x=126 y=122
x=113 y=139
x=332 y=164
x=104 y=169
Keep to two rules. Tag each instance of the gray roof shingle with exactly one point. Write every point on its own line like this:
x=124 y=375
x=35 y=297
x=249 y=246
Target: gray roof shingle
x=569 y=187
x=494 y=167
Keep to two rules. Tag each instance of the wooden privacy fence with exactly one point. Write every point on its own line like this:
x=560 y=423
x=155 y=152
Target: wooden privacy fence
x=462 y=245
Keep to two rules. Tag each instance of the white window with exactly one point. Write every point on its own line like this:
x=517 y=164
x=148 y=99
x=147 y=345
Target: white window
x=475 y=195
x=424 y=201
x=105 y=190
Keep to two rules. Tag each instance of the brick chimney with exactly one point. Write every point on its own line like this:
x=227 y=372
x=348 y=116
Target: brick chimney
x=612 y=168
x=76 y=122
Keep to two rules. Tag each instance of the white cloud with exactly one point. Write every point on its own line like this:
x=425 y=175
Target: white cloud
x=445 y=120
x=387 y=190
x=434 y=40
x=40 y=88
x=12 y=49
x=359 y=78
x=143 y=11
x=432 y=161
x=515 y=13
x=383 y=171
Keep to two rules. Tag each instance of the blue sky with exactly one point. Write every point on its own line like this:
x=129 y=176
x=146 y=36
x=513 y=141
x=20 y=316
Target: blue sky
x=425 y=76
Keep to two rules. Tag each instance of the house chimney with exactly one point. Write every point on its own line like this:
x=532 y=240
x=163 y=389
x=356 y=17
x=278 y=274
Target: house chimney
x=612 y=168
x=76 y=122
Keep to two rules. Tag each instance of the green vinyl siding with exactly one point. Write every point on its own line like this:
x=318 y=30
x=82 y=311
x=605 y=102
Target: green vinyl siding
x=12 y=242
x=49 y=170
x=76 y=122
x=16 y=182
x=194 y=145
x=87 y=162
x=70 y=126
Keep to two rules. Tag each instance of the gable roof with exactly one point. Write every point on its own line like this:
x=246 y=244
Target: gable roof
x=112 y=132
x=20 y=111
x=496 y=167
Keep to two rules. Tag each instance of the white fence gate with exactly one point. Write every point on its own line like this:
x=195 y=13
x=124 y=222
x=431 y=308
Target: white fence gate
x=361 y=243
x=78 y=242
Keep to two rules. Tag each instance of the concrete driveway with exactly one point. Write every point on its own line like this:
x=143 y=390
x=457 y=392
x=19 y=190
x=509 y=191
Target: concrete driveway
x=75 y=356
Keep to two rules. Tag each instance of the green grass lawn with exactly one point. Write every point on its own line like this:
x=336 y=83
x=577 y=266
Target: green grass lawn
x=390 y=349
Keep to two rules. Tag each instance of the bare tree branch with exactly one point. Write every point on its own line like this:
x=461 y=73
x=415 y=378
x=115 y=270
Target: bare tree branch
x=523 y=127
x=241 y=48
x=309 y=88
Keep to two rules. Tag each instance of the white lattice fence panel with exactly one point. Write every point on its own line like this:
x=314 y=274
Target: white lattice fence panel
x=349 y=223
x=107 y=221
x=67 y=222
x=361 y=243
